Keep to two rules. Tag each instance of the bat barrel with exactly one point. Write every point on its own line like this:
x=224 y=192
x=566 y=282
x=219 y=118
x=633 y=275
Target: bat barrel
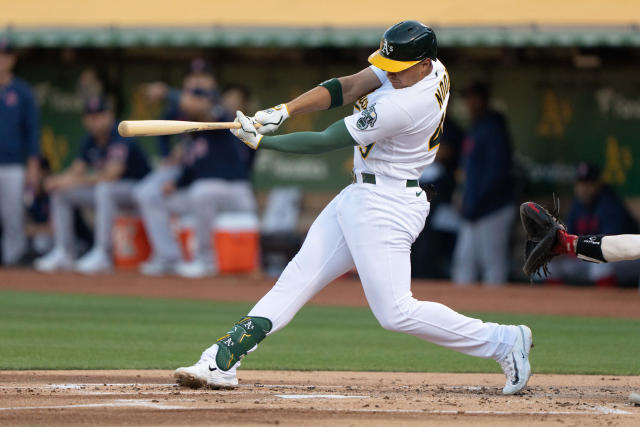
x=130 y=128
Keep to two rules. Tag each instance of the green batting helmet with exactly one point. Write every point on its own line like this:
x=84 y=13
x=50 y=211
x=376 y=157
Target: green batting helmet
x=404 y=45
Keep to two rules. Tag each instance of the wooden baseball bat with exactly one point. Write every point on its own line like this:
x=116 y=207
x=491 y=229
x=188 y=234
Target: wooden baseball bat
x=170 y=127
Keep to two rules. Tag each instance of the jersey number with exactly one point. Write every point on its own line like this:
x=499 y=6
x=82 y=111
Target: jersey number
x=434 y=141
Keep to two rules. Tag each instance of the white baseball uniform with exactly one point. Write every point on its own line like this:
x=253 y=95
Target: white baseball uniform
x=372 y=226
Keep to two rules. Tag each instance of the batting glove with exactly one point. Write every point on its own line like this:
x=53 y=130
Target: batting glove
x=271 y=118
x=248 y=132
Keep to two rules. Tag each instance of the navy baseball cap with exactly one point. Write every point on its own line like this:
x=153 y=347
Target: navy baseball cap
x=5 y=45
x=199 y=66
x=96 y=104
x=587 y=172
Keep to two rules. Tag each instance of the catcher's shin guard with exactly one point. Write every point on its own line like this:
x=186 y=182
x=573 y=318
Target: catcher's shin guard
x=244 y=335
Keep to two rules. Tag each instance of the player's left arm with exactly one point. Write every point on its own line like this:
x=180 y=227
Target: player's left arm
x=332 y=138
x=329 y=94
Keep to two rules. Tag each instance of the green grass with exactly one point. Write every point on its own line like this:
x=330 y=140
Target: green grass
x=58 y=331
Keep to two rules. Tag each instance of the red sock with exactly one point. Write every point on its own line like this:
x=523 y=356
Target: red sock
x=565 y=243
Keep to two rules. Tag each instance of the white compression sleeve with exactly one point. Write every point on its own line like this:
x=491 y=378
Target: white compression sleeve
x=624 y=247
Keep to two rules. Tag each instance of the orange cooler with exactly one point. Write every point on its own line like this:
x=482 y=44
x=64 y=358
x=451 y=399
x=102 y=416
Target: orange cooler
x=237 y=241
x=130 y=242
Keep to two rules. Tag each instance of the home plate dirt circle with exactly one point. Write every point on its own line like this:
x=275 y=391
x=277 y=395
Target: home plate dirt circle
x=314 y=398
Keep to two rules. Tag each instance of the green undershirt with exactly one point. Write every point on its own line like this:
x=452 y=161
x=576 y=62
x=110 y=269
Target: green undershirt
x=332 y=138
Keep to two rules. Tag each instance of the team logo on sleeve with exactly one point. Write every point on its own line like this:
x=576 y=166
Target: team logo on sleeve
x=368 y=118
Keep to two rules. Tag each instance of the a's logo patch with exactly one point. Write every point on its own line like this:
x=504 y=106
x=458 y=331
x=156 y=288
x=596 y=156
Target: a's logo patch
x=386 y=48
x=368 y=118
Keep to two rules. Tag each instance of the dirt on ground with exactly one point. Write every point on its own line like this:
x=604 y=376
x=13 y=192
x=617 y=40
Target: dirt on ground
x=104 y=398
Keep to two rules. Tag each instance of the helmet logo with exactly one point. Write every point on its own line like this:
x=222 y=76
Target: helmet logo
x=386 y=47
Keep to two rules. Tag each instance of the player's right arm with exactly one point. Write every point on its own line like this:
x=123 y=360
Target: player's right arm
x=332 y=93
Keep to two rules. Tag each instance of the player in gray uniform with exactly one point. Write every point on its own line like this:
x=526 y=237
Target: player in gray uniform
x=103 y=175
x=395 y=133
x=19 y=140
x=213 y=178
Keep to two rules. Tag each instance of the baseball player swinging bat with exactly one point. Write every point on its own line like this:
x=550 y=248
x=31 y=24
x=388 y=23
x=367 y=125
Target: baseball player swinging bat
x=394 y=132
x=129 y=128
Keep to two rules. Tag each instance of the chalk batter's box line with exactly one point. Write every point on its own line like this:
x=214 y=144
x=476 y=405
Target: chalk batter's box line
x=149 y=404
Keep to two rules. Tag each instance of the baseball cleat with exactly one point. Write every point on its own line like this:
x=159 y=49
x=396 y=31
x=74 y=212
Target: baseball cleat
x=195 y=269
x=516 y=365
x=157 y=267
x=95 y=261
x=55 y=260
x=206 y=374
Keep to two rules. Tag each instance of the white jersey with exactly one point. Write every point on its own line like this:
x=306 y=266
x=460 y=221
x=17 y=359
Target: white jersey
x=398 y=130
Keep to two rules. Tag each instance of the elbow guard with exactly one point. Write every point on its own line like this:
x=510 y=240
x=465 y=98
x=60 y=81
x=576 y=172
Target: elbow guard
x=335 y=90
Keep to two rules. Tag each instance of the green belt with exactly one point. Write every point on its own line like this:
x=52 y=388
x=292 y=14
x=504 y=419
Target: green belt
x=369 y=178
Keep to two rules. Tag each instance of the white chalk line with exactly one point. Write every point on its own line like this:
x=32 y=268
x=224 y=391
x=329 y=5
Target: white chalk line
x=116 y=404
x=81 y=386
x=161 y=406
x=319 y=396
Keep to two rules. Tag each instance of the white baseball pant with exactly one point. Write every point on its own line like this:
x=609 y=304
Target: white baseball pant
x=204 y=199
x=105 y=197
x=373 y=227
x=11 y=213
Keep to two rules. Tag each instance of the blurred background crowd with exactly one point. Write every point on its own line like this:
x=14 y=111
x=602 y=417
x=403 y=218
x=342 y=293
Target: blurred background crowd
x=539 y=105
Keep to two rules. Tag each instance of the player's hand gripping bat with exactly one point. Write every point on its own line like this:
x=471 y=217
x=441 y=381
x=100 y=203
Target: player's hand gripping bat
x=170 y=127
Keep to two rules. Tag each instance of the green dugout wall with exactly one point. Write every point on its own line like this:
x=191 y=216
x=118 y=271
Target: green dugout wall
x=563 y=104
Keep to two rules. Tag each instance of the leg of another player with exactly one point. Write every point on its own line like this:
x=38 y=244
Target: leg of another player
x=204 y=198
x=464 y=267
x=155 y=210
x=62 y=204
x=11 y=190
x=209 y=198
x=493 y=245
x=109 y=195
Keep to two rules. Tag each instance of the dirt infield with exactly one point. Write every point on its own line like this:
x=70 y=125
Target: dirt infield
x=532 y=299
x=312 y=398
